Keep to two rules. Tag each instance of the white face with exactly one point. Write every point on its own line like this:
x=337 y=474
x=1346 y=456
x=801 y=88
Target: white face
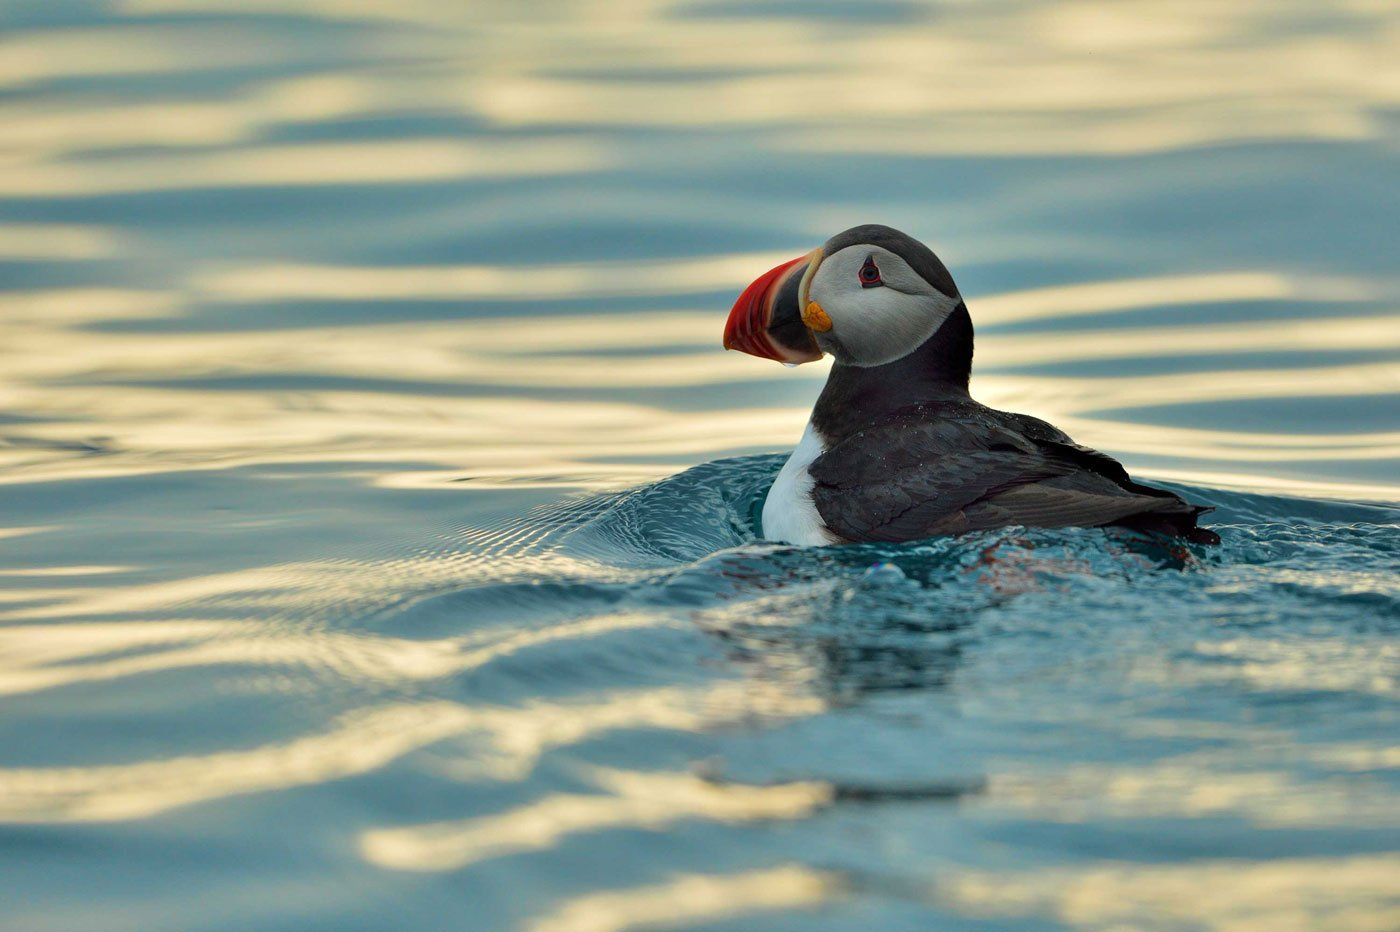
x=875 y=323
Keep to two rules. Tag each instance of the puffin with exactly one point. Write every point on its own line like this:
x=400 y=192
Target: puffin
x=896 y=448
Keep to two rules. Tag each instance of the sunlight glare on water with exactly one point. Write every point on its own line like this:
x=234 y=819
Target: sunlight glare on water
x=377 y=504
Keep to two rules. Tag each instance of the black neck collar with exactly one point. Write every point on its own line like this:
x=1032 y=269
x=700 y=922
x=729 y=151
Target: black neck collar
x=938 y=369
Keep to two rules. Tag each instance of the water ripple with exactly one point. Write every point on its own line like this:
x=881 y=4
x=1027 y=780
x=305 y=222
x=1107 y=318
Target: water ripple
x=356 y=360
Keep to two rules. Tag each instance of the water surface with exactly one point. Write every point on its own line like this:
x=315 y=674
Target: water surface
x=376 y=505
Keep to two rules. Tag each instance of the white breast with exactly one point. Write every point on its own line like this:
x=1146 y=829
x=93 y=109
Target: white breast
x=788 y=513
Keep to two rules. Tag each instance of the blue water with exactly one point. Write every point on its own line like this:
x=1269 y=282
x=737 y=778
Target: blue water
x=377 y=508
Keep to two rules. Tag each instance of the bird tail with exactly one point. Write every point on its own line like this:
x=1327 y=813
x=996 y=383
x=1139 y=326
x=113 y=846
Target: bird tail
x=1180 y=524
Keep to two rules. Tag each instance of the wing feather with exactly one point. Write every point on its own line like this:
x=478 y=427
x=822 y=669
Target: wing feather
x=927 y=472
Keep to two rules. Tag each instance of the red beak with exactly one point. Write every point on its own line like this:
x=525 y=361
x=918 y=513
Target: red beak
x=766 y=320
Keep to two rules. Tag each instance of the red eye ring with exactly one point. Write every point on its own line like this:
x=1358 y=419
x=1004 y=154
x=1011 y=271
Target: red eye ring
x=870 y=274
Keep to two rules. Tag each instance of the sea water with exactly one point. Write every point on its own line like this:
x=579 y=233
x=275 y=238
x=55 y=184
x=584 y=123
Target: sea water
x=378 y=509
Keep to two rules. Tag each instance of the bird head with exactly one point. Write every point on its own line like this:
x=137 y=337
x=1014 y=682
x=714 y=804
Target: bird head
x=868 y=296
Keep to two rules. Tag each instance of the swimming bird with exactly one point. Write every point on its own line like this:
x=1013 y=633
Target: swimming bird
x=896 y=448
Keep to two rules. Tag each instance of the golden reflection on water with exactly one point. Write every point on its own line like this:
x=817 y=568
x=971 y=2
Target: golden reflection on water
x=517 y=282
x=175 y=397
x=1025 y=82
x=358 y=743
x=1019 y=71
x=628 y=800
x=1200 y=787
x=39 y=658
x=36 y=56
x=55 y=241
x=1351 y=893
x=510 y=742
x=694 y=898
x=302 y=165
x=1028 y=78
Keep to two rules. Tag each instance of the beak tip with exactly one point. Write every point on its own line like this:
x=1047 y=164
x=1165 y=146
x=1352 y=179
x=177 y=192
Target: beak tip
x=747 y=328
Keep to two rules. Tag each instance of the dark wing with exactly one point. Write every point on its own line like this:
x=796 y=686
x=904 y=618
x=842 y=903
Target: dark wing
x=947 y=470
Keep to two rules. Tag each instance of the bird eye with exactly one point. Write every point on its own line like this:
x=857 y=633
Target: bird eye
x=870 y=274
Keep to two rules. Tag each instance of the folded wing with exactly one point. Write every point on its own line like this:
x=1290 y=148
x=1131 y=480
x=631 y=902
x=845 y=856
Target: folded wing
x=946 y=469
